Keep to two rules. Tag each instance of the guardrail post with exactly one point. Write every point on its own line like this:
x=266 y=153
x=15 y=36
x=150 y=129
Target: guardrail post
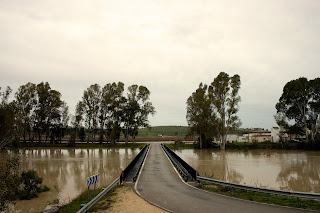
x=94 y=190
x=88 y=194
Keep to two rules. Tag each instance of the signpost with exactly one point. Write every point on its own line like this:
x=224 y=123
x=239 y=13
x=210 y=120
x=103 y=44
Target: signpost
x=90 y=181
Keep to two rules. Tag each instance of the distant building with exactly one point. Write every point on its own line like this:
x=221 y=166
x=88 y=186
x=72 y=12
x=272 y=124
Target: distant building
x=262 y=136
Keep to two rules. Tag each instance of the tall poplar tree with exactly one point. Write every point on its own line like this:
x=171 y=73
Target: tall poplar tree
x=224 y=96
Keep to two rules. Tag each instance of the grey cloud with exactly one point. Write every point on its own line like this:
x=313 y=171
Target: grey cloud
x=168 y=46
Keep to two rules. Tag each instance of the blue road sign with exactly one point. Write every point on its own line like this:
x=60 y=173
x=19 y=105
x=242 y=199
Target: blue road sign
x=92 y=180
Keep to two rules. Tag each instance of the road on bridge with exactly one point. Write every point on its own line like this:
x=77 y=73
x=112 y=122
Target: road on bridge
x=160 y=185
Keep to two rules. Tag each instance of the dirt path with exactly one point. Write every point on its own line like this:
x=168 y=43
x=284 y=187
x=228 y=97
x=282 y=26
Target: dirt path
x=125 y=200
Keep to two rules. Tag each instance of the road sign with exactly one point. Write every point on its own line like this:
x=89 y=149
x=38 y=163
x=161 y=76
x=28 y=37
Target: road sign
x=90 y=181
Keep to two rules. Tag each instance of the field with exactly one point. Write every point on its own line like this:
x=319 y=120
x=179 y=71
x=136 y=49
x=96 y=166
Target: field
x=164 y=131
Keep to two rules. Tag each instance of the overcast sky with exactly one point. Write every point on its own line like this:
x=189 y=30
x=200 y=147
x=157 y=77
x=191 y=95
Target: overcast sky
x=167 y=46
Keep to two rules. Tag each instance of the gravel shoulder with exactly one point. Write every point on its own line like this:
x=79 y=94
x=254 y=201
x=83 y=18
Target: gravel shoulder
x=125 y=200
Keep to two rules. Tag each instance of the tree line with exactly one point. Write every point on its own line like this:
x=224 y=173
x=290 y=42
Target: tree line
x=212 y=110
x=107 y=112
x=37 y=113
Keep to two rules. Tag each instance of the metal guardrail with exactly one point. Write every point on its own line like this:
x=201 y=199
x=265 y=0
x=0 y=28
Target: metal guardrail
x=185 y=170
x=133 y=163
x=178 y=162
x=263 y=190
x=99 y=196
x=118 y=180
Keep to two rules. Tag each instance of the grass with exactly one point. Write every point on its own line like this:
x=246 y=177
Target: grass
x=175 y=131
x=177 y=145
x=75 y=204
x=263 y=197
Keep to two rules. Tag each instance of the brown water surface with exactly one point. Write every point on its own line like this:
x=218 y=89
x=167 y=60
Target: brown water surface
x=65 y=171
x=278 y=169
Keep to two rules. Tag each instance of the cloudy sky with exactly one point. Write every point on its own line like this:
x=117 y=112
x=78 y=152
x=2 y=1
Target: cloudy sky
x=168 y=46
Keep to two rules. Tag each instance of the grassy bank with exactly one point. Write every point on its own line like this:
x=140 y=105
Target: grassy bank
x=177 y=145
x=159 y=131
x=263 y=198
x=75 y=204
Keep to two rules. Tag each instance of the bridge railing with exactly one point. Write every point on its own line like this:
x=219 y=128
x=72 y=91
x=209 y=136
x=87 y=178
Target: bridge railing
x=238 y=186
x=181 y=164
x=262 y=190
x=140 y=156
x=118 y=180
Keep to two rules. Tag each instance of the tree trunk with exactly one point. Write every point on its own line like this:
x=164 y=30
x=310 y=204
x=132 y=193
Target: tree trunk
x=127 y=134
x=200 y=140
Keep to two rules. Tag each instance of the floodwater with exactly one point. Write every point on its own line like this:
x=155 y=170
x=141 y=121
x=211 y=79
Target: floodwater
x=65 y=170
x=278 y=169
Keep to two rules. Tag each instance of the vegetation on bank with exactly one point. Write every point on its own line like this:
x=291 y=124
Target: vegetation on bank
x=245 y=146
x=16 y=184
x=158 y=131
x=263 y=197
x=75 y=204
x=38 y=114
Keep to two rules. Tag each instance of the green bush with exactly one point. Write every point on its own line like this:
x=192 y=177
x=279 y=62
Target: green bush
x=15 y=184
x=31 y=185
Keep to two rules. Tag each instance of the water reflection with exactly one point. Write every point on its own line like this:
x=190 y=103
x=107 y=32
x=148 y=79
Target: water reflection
x=65 y=171
x=279 y=169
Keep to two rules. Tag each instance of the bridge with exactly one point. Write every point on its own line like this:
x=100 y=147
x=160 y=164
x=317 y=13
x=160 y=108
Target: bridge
x=173 y=189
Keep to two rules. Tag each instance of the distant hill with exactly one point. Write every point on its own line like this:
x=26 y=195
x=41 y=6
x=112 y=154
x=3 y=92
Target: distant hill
x=156 y=131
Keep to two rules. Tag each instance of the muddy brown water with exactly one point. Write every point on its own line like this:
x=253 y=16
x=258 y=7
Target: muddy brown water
x=65 y=171
x=278 y=169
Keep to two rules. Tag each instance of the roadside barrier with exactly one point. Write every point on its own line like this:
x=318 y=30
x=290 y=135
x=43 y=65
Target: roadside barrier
x=184 y=168
x=87 y=206
x=132 y=170
x=135 y=164
x=262 y=190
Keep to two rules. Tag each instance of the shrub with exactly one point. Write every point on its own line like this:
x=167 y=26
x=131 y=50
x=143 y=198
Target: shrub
x=31 y=185
x=14 y=184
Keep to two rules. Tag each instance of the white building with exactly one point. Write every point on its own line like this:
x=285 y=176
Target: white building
x=272 y=136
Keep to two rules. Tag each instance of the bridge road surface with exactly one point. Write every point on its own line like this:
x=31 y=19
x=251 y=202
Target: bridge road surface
x=160 y=184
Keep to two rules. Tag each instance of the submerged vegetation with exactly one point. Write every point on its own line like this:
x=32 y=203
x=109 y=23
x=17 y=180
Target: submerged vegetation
x=15 y=184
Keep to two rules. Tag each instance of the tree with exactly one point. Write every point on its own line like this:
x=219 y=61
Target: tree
x=200 y=116
x=89 y=107
x=136 y=110
x=26 y=99
x=111 y=109
x=64 y=120
x=224 y=96
x=47 y=112
x=300 y=104
x=115 y=110
x=7 y=118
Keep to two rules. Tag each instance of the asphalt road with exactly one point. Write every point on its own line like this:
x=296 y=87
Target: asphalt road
x=160 y=184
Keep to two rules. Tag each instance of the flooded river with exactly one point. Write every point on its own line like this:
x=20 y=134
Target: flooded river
x=278 y=169
x=65 y=171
